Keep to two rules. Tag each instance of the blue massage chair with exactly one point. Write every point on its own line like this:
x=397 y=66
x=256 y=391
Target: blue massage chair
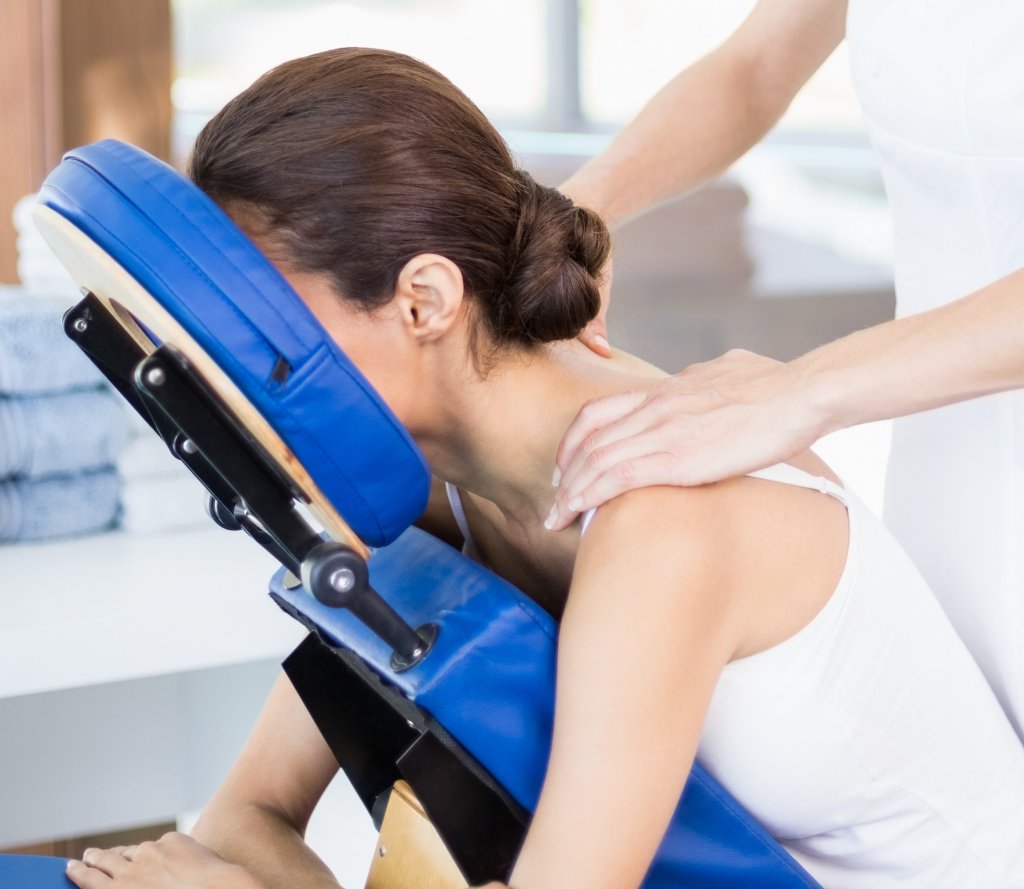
x=431 y=679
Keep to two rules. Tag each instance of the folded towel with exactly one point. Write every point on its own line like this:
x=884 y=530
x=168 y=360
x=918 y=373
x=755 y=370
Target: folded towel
x=152 y=505
x=59 y=506
x=35 y=355
x=146 y=456
x=59 y=434
x=38 y=266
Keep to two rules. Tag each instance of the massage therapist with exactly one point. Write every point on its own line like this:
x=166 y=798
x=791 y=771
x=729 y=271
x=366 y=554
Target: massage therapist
x=942 y=87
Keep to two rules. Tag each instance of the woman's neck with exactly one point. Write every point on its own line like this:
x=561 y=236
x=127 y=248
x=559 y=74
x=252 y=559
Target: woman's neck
x=498 y=436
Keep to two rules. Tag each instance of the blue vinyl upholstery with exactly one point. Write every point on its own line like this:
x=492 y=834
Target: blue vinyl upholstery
x=33 y=872
x=490 y=679
x=201 y=268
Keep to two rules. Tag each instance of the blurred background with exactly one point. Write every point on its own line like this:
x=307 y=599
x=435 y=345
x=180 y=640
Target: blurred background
x=150 y=616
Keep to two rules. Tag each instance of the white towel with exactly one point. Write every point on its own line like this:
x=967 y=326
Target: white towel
x=59 y=434
x=59 y=506
x=146 y=456
x=152 y=505
x=38 y=267
x=35 y=355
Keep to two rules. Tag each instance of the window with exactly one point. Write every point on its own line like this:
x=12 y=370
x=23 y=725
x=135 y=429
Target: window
x=629 y=50
x=494 y=51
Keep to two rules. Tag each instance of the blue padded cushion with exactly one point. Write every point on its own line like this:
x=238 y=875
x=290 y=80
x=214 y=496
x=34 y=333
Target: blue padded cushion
x=33 y=872
x=490 y=681
x=194 y=261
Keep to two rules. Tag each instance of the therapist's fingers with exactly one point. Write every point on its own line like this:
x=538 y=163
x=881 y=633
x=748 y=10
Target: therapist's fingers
x=595 y=337
x=85 y=877
x=632 y=436
x=642 y=471
x=594 y=415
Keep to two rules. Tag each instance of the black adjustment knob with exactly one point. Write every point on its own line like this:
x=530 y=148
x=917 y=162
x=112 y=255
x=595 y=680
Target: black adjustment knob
x=335 y=574
x=339 y=577
x=221 y=515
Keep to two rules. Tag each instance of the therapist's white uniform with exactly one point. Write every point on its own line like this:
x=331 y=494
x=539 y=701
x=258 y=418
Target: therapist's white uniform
x=942 y=86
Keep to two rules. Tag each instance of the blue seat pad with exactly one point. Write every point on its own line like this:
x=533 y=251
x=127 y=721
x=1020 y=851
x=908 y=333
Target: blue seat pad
x=490 y=681
x=197 y=264
x=33 y=872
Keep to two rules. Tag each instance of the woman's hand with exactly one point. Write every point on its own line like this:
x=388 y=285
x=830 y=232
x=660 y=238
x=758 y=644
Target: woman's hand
x=175 y=861
x=729 y=416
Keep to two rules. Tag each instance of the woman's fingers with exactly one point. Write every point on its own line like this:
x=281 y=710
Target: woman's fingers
x=110 y=861
x=85 y=877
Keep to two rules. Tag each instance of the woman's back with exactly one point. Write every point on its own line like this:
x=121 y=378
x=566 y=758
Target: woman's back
x=869 y=742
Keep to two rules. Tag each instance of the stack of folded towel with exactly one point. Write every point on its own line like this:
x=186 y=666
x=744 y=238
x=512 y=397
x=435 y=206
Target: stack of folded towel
x=73 y=457
x=61 y=427
x=159 y=494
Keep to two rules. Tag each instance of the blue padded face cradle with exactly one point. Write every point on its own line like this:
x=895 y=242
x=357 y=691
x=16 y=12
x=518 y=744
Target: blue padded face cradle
x=490 y=681
x=195 y=262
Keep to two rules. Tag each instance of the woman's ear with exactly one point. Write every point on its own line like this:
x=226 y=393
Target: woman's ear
x=429 y=296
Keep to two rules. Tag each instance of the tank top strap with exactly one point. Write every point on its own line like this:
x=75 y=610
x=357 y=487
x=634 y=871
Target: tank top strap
x=459 y=512
x=782 y=473
x=790 y=475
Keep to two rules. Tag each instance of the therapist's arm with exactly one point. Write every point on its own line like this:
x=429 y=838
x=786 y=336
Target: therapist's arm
x=712 y=112
x=742 y=412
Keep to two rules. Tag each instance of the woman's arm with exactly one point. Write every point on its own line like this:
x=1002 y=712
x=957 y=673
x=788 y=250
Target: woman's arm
x=258 y=816
x=649 y=624
x=742 y=412
x=714 y=111
x=250 y=833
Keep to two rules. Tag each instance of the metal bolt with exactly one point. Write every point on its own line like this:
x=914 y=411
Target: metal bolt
x=155 y=376
x=80 y=325
x=342 y=580
x=189 y=446
x=382 y=850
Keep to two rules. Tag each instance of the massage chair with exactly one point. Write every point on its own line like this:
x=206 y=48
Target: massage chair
x=431 y=679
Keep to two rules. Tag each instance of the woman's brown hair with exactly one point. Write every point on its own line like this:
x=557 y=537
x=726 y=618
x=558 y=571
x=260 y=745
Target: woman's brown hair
x=356 y=160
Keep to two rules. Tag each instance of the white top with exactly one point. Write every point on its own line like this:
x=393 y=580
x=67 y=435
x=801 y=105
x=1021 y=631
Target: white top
x=869 y=743
x=942 y=87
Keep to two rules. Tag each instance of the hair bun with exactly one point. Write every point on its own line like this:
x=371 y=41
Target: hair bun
x=555 y=258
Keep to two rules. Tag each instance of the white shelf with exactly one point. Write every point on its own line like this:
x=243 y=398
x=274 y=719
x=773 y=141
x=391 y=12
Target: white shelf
x=117 y=606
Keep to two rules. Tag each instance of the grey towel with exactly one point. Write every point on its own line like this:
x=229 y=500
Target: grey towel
x=53 y=434
x=35 y=355
x=59 y=506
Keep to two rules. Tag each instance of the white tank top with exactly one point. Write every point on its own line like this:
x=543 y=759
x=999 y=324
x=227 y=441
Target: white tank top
x=868 y=743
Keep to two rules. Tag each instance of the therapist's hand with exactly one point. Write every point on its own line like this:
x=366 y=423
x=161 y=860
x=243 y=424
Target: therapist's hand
x=726 y=417
x=175 y=861
x=595 y=335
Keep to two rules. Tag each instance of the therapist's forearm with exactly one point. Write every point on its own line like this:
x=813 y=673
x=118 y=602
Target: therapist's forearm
x=266 y=845
x=711 y=113
x=962 y=350
x=693 y=130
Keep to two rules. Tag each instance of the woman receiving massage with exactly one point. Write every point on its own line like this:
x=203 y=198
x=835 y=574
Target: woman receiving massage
x=767 y=624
